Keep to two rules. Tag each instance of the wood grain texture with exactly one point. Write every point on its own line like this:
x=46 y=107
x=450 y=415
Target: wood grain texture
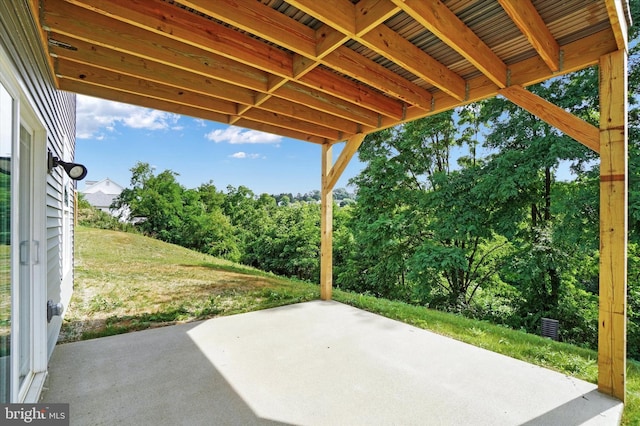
x=580 y=130
x=326 y=225
x=612 y=335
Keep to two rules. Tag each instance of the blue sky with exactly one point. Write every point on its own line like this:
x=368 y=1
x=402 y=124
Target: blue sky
x=112 y=137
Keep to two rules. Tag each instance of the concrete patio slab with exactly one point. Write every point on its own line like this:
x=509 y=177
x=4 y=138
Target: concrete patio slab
x=315 y=363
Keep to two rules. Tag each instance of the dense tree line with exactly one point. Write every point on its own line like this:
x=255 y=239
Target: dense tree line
x=469 y=211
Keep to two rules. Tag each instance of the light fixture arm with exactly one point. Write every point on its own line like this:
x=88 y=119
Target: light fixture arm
x=74 y=170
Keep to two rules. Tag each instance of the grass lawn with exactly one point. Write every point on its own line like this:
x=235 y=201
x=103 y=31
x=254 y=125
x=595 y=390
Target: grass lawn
x=126 y=282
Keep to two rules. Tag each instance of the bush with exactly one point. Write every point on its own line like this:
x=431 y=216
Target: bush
x=94 y=218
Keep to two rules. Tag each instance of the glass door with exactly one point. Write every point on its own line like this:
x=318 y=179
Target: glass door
x=28 y=251
x=19 y=252
x=6 y=141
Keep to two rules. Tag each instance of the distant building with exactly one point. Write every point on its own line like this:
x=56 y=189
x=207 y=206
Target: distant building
x=101 y=194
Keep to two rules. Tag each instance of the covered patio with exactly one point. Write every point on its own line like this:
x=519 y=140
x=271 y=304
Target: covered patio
x=334 y=71
x=314 y=363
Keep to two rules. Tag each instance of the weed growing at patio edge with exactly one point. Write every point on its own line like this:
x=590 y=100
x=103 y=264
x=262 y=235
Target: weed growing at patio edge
x=126 y=282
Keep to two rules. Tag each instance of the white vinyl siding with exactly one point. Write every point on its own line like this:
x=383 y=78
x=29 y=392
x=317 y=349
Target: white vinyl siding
x=19 y=40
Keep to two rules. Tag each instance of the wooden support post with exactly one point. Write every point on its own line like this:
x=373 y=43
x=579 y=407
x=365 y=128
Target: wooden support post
x=326 y=225
x=612 y=343
x=330 y=175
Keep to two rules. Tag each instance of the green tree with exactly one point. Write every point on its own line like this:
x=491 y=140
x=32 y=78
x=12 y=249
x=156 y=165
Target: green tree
x=462 y=253
x=524 y=169
x=210 y=196
x=422 y=231
x=250 y=216
x=157 y=200
x=290 y=245
x=381 y=242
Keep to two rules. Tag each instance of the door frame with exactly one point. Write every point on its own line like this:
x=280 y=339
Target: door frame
x=23 y=114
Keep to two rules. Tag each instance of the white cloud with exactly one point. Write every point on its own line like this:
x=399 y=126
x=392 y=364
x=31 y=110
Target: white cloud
x=96 y=117
x=242 y=154
x=236 y=135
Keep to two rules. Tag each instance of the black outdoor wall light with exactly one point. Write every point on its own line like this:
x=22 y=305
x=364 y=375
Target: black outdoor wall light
x=74 y=170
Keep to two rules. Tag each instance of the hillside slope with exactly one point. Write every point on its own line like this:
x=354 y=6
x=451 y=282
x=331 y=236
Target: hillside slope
x=126 y=282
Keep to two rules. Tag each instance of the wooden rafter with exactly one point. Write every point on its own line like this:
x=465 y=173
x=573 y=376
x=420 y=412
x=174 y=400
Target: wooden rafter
x=292 y=35
x=189 y=110
x=371 y=13
x=387 y=43
x=524 y=14
x=577 y=55
x=152 y=33
x=273 y=67
x=441 y=21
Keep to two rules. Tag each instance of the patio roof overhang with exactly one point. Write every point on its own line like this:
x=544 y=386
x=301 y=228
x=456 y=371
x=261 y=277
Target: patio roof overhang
x=336 y=70
x=319 y=71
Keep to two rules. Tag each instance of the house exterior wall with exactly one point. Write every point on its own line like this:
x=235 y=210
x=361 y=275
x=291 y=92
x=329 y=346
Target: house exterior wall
x=101 y=195
x=106 y=186
x=50 y=116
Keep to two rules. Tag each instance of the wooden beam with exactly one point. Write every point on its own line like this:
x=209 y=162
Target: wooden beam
x=197 y=70
x=162 y=19
x=437 y=18
x=387 y=43
x=326 y=226
x=335 y=13
x=263 y=21
x=356 y=93
x=369 y=72
x=260 y=20
x=34 y=6
x=577 y=55
x=324 y=102
x=524 y=14
x=127 y=64
x=615 y=9
x=290 y=122
x=73 y=22
x=70 y=70
x=568 y=123
x=66 y=69
x=328 y=40
x=164 y=25
x=109 y=93
x=612 y=317
x=277 y=130
x=371 y=13
x=301 y=112
x=347 y=153
x=400 y=51
x=86 y=88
